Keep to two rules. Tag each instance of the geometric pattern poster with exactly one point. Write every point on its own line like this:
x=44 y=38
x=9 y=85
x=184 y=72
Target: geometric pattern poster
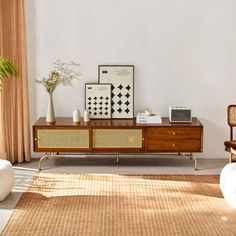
x=98 y=100
x=122 y=92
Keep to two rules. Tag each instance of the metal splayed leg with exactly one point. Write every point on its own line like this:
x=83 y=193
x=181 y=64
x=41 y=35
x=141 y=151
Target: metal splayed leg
x=191 y=157
x=45 y=157
x=195 y=162
x=117 y=160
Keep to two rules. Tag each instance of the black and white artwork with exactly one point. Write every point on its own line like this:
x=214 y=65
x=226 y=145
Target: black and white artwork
x=122 y=94
x=98 y=100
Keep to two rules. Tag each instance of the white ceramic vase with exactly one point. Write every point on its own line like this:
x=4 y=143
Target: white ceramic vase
x=76 y=116
x=50 y=112
x=86 y=116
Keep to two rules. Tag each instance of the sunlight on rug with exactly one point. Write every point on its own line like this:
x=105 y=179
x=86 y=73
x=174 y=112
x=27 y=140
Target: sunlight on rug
x=95 y=204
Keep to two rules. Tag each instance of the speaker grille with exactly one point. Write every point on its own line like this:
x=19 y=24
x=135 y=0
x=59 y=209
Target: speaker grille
x=181 y=115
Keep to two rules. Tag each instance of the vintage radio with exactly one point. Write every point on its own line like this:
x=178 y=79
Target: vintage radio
x=180 y=114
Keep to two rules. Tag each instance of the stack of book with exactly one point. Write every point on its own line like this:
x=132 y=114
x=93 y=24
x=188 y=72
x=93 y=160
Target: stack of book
x=144 y=119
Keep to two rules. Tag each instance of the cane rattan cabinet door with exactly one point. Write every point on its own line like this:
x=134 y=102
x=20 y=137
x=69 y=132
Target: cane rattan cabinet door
x=59 y=140
x=120 y=139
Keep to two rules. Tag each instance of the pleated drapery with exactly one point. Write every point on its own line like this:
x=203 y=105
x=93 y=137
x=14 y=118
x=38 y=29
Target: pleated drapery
x=14 y=112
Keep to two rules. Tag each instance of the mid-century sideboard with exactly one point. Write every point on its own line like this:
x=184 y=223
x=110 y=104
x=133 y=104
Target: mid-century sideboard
x=116 y=137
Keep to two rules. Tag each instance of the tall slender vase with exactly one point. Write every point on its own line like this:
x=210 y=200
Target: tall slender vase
x=50 y=112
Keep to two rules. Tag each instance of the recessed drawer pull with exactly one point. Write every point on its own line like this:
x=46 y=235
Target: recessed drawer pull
x=174 y=133
x=173 y=145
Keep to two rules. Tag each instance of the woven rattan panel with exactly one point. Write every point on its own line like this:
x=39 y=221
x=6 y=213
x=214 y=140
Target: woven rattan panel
x=117 y=138
x=232 y=115
x=63 y=138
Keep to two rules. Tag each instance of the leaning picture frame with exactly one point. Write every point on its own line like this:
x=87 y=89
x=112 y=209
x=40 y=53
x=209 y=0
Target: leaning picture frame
x=122 y=94
x=98 y=100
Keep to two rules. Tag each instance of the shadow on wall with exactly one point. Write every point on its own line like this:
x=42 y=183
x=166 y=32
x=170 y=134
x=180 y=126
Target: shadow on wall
x=214 y=136
x=30 y=19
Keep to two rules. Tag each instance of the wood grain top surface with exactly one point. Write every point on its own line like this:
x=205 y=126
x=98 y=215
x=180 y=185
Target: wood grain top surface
x=68 y=122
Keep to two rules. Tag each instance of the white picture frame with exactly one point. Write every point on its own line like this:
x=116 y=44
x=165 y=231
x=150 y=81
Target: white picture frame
x=122 y=94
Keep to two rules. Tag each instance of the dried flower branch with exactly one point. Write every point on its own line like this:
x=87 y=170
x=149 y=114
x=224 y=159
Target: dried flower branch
x=63 y=74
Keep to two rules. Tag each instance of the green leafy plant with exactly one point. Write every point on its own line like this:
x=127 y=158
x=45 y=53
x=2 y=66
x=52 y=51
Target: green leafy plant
x=63 y=74
x=7 y=69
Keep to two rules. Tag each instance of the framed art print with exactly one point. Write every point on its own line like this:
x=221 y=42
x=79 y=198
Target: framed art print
x=122 y=94
x=98 y=100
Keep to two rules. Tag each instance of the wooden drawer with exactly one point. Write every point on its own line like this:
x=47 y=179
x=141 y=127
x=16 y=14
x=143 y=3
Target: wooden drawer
x=174 y=133
x=174 y=145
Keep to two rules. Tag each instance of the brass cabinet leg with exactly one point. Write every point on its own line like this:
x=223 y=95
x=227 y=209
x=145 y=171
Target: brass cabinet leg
x=45 y=157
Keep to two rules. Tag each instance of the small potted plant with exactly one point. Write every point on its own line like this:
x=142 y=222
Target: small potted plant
x=7 y=69
x=63 y=74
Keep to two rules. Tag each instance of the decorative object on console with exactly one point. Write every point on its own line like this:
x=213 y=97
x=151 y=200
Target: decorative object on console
x=86 y=116
x=180 y=114
x=148 y=111
x=98 y=100
x=122 y=79
x=142 y=118
x=50 y=117
x=63 y=74
x=76 y=116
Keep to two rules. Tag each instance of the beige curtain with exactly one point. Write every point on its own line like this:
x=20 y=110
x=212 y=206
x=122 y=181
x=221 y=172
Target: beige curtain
x=14 y=112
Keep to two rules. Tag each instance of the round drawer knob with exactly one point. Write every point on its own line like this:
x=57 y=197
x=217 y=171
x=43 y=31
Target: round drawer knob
x=173 y=145
x=174 y=133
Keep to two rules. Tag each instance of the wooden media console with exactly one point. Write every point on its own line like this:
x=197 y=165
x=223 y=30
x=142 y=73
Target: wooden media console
x=116 y=136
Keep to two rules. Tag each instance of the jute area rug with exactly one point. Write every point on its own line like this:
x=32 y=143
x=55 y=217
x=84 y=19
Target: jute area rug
x=93 y=204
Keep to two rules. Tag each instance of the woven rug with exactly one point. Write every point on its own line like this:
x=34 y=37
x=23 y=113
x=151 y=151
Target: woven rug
x=93 y=204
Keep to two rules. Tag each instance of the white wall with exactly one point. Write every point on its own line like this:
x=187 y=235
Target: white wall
x=184 y=53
